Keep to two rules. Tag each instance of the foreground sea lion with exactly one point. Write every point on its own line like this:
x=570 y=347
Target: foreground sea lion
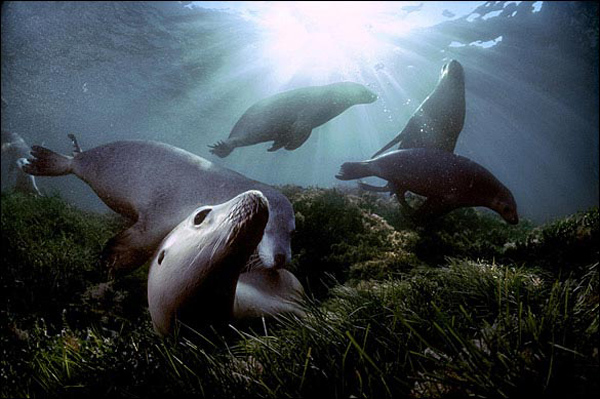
x=194 y=274
x=156 y=186
x=448 y=181
x=440 y=118
x=14 y=150
x=288 y=118
x=265 y=292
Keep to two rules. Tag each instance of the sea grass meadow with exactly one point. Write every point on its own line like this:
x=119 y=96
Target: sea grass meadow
x=465 y=305
x=468 y=307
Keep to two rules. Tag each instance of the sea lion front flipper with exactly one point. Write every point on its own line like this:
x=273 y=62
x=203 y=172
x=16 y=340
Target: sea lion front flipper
x=404 y=207
x=432 y=208
x=299 y=133
x=368 y=187
x=277 y=144
x=123 y=252
x=389 y=145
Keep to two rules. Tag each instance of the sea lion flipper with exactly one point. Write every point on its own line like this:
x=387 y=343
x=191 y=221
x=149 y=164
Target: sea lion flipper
x=300 y=132
x=389 y=145
x=432 y=208
x=76 y=147
x=221 y=149
x=123 y=252
x=368 y=187
x=277 y=144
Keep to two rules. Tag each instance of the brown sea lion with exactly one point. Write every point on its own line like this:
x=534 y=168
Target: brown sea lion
x=448 y=181
x=440 y=118
x=156 y=186
x=288 y=118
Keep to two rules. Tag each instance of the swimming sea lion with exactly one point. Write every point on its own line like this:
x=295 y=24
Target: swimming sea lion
x=156 y=186
x=288 y=118
x=266 y=292
x=194 y=274
x=440 y=118
x=448 y=181
x=15 y=150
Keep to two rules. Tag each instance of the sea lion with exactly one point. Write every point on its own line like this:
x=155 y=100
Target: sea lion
x=194 y=274
x=288 y=118
x=15 y=150
x=266 y=292
x=156 y=186
x=440 y=118
x=448 y=181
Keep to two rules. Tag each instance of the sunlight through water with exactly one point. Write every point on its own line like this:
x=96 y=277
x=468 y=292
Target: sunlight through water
x=318 y=39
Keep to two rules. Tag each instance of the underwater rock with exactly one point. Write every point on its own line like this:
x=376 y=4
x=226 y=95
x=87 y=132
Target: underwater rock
x=448 y=181
x=288 y=118
x=440 y=118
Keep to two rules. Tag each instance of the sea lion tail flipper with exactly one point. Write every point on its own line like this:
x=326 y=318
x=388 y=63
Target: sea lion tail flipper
x=368 y=187
x=47 y=163
x=354 y=170
x=221 y=149
x=76 y=147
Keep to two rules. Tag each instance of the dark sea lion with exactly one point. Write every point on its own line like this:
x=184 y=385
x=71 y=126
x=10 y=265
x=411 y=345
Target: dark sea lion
x=156 y=186
x=448 y=181
x=14 y=150
x=288 y=118
x=194 y=274
x=440 y=118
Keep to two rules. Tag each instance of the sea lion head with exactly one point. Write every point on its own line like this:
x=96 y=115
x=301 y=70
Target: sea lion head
x=357 y=93
x=453 y=71
x=504 y=203
x=275 y=248
x=194 y=273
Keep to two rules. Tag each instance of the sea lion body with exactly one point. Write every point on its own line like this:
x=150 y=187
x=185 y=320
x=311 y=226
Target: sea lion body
x=448 y=181
x=440 y=118
x=14 y=149
x=266 y=292
x=288 y=118
x=156 y=186
x=194 y=274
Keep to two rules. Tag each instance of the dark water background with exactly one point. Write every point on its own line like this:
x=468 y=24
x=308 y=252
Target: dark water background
x=156 y=70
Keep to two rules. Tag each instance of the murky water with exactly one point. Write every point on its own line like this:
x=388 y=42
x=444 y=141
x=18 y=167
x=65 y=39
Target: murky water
x=185 y=72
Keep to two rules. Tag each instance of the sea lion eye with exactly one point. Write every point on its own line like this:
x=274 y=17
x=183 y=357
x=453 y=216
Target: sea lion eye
x=161 y=256
x=200 y=216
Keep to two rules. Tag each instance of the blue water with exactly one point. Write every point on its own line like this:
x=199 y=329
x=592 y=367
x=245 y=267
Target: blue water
x=184 y=73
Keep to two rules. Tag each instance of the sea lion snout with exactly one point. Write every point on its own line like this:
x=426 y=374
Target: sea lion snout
x=248 y=204
x=249 y=211
x=368 y=96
